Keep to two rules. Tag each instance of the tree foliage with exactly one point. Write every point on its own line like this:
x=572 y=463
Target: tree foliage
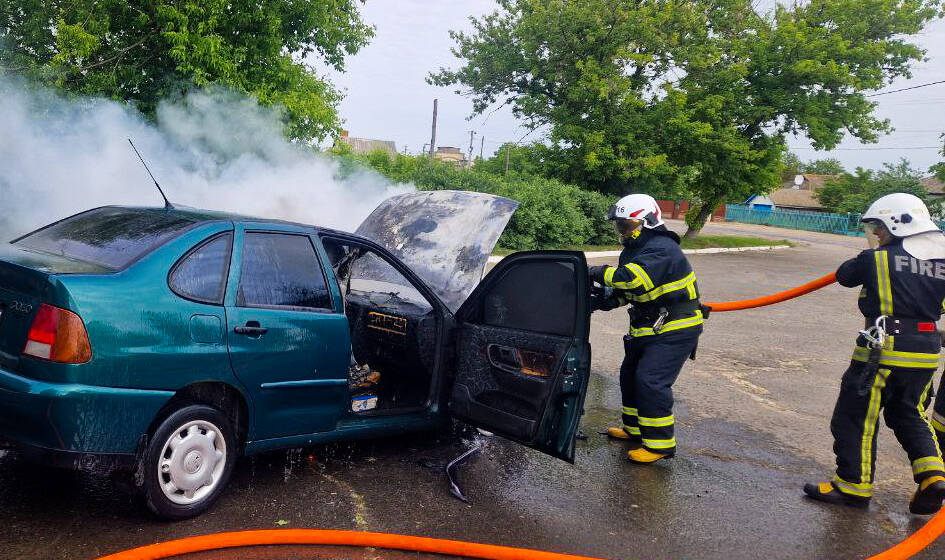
x=854 y=192
x=939 y=168
x=147 y=50
x=551 y=214
x=692 y=97
x=526 y=159
x=828 y=166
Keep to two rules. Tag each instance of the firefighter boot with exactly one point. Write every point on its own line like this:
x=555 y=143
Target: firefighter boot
x=617 y=432
x=644 y=456
x=928 y=498
x=827 y=492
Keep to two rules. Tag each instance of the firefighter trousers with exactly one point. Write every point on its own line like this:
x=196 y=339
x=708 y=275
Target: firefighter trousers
x=650 y=366
x=902 y=394
x=938 y=415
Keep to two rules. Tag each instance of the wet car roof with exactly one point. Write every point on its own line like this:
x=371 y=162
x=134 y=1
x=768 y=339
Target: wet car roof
x=201 y=215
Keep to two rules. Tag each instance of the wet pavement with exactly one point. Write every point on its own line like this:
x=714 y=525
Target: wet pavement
x=752 y=413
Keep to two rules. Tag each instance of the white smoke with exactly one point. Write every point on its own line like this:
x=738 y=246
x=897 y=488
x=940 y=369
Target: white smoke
x=211 y=150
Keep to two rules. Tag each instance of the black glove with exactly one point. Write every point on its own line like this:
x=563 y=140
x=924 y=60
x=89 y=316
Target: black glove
x=605 y=303
x=604 y=299
x=705 y=309
x=596 y=273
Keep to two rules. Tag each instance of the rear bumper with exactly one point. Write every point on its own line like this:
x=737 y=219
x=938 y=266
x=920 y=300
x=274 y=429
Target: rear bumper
x=75 y=425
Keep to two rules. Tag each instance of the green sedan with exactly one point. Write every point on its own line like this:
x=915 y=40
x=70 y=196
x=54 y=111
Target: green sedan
x=165 y=342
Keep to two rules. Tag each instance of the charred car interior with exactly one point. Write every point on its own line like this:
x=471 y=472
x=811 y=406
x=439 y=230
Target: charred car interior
x=393 y=330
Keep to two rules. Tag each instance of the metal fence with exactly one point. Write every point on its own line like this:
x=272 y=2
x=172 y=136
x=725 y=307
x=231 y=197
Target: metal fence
x=842 y=224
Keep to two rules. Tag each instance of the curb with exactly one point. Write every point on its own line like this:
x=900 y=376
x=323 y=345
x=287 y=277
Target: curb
x=609 y=254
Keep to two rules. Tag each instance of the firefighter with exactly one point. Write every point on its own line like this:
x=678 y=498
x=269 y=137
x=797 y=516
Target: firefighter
x=903 y=286
x=654 y=277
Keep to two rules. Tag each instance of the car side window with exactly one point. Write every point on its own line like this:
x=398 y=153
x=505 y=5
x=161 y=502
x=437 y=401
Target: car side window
x=281 y=270
x=201 y=274
x=517 y=301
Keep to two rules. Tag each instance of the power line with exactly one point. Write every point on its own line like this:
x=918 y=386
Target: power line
x=871 y=149
x=906 y=89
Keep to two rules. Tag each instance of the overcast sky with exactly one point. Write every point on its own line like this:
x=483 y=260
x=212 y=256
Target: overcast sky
x=386 y=96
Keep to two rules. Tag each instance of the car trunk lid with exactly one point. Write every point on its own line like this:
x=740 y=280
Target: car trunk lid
x=445 y=237
x=26 y=281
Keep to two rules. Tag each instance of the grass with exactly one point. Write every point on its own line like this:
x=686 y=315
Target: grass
x=730 y=241
x=701 y=242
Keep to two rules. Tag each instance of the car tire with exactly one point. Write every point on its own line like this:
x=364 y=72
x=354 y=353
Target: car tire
x=188 y=462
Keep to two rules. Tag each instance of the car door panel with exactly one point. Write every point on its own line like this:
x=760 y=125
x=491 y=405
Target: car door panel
x=522 y=351
x=293 y=360
x=497 y=396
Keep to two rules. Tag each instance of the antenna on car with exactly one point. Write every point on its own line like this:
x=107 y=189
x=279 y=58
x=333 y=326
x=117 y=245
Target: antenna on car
x=167 y=203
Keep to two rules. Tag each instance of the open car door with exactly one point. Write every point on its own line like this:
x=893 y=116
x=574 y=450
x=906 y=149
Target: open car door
x=522 y=351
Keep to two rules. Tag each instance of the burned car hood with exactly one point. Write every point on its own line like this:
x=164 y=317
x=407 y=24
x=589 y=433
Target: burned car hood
x=445 y=237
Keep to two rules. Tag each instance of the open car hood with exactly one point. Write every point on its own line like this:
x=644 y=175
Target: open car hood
x=445 y=237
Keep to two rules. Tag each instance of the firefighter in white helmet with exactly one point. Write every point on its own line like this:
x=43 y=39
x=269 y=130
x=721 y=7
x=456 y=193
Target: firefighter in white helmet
x=655 y=278
x=903 y=287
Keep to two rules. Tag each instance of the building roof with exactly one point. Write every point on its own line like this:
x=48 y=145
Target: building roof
x=812 y=182
x=450 y=154
x=368 y=145
x=933 y=185
x=795 y=198
x=791 y=195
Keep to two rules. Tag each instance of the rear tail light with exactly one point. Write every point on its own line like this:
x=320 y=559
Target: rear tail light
x=58 y=335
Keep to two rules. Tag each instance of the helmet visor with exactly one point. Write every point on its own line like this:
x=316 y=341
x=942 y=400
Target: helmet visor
x=624 y=227
x=872 y=229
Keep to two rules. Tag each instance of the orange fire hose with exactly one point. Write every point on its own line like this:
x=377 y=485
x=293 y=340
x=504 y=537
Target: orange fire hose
x=913 y=544
x=236 y=539
x=916 y=542
x=774 y=298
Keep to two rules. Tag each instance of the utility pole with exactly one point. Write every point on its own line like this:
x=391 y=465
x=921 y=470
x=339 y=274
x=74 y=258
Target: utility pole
x=507 y=159
x=433 y=135
x=472 y=134
x=482 y=143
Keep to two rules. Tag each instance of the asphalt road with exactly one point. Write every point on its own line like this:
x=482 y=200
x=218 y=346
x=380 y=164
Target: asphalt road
x=752 y=413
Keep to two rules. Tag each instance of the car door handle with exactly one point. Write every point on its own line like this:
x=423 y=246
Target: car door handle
x=251 y=330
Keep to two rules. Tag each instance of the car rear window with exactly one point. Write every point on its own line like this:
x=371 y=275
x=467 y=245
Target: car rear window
x=110 y=237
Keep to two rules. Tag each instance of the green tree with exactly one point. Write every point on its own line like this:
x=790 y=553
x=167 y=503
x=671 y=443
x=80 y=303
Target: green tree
x=522 y=159
x=939 y=168
x=854 y=192
x=829 y=166
x=687 y=97
x=791 y=166
x=147 y=50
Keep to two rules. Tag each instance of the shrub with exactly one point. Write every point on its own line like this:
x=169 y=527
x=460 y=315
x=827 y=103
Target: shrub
x=551 y=214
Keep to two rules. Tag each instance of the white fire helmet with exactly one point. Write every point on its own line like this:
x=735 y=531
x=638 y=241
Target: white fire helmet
x=641 y=207
x=907 y=217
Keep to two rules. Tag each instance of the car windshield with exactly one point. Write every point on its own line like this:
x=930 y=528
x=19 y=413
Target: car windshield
x=110 y=237
x=372 y=275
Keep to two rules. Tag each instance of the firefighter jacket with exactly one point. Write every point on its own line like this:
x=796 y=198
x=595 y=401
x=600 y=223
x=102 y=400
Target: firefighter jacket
x=898 y=286
x=654 y=276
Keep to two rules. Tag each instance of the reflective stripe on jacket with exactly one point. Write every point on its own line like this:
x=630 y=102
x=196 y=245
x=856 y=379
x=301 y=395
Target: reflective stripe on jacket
x=652 y=273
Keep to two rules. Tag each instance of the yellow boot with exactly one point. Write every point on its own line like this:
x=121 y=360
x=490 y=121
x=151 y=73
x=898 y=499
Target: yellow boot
x=928 y=498
x=645 y=456
x=616 y=432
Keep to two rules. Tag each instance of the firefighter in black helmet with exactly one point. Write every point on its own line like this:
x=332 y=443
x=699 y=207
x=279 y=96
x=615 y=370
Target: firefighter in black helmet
x=896 y=355
x=653 y=276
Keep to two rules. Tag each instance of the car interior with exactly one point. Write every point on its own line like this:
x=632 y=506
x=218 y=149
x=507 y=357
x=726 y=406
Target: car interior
x=393 y=331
